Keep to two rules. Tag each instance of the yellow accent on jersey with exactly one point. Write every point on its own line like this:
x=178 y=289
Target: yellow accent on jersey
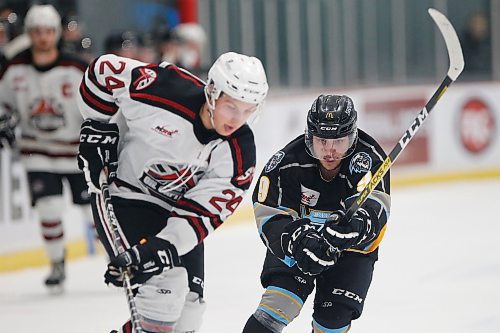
x=264 y=183
x=374 y=244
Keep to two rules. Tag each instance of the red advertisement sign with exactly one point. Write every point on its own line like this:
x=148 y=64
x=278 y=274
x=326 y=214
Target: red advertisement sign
x=477 y=126
x=387 y=121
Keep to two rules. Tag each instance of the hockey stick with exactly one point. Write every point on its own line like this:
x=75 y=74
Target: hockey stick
x=456 y=67
x=119 y=248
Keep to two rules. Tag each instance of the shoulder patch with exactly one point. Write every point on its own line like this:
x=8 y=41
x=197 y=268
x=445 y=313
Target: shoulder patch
x=274 y=161
x=360 y=163
x=146 y=77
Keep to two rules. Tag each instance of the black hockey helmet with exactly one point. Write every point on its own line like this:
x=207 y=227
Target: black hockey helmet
x=332 y=117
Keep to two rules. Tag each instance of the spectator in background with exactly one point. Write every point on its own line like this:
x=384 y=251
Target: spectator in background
x=476 y=46
x=72 y=39
x=192 y=39
x=123 y=44
x=168 y=45
x=12 y=21
x=4 y=37
x=12 y=39
x=147 y=49
x=183 y=46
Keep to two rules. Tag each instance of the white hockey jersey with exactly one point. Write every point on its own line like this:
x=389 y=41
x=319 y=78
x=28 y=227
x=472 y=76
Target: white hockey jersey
x=165 y=155
x=44 y=99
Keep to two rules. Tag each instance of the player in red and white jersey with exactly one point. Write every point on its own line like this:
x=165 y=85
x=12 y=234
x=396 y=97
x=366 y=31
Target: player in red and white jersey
x=38 y=87
x=180 y=157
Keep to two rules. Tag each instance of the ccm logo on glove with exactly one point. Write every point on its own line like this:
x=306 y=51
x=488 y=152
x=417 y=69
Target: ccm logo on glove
x=98 y=139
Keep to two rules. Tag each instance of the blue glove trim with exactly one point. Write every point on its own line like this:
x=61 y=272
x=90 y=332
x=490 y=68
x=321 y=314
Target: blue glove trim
x=288 y=261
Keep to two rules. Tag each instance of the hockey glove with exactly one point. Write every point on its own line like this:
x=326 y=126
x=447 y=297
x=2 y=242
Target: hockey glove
x=342 y=234
x=146 y=259
x=7 y=126
x=98 y=149
x=308 y=248
x=114 y=276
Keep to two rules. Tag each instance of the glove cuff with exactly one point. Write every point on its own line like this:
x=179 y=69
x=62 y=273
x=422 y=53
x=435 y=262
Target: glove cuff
x=99 y=125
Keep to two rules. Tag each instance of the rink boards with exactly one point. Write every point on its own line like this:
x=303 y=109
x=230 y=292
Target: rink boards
x=459 y=141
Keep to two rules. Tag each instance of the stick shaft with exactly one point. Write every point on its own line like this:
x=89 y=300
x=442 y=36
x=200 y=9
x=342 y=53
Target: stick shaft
x=455 y=68
x=119 y=247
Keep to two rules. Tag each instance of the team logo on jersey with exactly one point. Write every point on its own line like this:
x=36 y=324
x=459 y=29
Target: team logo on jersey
x=46 y=115
x=163 y=130
x=169 y=181
x=308 y=197
x=316 y=216
x=274 y=161
x=246 y=177
x=146 y=78
x=361 y=162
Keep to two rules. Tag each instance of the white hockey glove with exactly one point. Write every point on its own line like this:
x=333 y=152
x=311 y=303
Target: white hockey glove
x=144 y=260
x=342 y=234
x=308 y=248
x=98 y=149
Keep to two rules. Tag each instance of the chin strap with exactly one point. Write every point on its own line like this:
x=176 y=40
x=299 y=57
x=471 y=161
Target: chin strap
x=210 y=99
x=211 y=114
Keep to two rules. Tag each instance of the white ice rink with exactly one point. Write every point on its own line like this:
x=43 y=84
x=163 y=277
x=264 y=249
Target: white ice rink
x=439 y=271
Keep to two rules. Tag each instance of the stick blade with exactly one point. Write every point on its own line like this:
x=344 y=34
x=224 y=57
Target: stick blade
x=452 y=43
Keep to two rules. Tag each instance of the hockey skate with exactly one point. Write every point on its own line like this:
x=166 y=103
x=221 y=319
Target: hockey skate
x=56 y=278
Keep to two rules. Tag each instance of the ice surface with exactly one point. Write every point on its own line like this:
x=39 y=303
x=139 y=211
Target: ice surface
x=439 y=271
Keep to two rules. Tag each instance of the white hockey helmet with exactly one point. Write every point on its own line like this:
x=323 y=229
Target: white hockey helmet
x=238 y=76
x=43 y=16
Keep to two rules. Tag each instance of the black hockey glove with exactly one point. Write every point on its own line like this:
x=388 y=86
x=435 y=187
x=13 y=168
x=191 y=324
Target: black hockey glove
x=308 y=248
x=98 y=149
x=146 y=259
x=342 y=234
x=7 y=126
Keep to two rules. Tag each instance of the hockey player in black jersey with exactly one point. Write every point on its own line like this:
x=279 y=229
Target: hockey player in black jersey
x=299 y=204
x=180 y=158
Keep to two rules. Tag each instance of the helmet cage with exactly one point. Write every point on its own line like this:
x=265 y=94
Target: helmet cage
x=352 y=137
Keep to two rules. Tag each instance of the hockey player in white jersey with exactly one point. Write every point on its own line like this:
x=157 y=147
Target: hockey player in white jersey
x=180 y=157
x=39 y=88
